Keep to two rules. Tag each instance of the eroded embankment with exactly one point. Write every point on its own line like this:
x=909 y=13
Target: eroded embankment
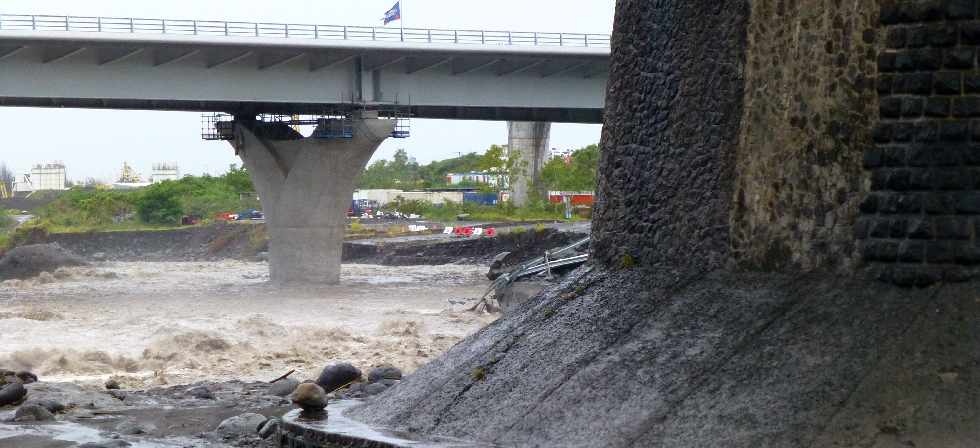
x=245 y=241
x=212 y=242
x=521 y=245
x=639 y=359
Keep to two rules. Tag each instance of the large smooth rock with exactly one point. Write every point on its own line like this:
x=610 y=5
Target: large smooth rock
x=337 y=375
x=241 y=426
x=26 y=377
x=12 y=393
x=283 y=387
x=384 y=373
x=309 y=396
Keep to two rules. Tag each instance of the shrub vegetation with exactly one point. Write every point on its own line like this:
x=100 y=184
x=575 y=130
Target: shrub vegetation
x=158 y=205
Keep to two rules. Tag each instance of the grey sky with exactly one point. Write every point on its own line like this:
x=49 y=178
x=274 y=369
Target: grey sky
x=94 y=143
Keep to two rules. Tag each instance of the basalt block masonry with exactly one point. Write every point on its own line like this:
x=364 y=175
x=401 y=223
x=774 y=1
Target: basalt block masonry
x=921 y=221
x=833 y=136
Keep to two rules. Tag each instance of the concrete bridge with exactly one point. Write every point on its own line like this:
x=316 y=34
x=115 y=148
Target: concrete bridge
x=364 y=74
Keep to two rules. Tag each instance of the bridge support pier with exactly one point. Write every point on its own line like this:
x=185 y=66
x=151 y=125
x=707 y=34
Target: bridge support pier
x=305 y=186
x=528 y=142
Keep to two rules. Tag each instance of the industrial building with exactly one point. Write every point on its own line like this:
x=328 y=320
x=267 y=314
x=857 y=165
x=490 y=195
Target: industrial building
x=47 y=176
x=164 y=171
x=477 y=177
x=387 y=196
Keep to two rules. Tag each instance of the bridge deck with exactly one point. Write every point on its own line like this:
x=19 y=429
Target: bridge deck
x=245 y=68
x=131 y=25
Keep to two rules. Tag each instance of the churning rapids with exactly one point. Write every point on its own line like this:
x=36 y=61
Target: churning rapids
x=150 y=324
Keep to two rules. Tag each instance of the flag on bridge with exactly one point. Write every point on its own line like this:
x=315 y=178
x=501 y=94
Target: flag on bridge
x=393 y=14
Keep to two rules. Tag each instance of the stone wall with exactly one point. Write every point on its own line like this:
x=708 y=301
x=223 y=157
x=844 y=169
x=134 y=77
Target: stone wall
x=808 y=115
x=665 y=182
x=921 y=222
x=796 y=167
x=629 y=358
x=773 y=179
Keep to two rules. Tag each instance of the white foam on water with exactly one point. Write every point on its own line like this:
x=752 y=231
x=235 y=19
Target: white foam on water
x=74 y=432
x=162 y=323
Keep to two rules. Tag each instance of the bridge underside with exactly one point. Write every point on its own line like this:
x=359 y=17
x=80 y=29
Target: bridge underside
x=241 y=108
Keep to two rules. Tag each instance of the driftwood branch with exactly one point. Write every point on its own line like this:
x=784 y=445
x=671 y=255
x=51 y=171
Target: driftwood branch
x=283 y=377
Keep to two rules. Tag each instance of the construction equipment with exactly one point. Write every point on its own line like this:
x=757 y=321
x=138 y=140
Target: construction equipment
x=4 y=193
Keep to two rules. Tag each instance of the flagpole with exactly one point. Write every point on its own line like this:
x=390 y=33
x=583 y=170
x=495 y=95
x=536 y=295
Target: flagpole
x=401 y=20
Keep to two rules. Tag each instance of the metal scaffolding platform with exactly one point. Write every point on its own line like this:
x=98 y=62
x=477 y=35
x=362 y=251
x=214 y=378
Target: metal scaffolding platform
x=218 y=126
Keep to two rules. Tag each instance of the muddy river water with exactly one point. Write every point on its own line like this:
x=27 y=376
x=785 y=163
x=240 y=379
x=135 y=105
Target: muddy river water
x=160 y=323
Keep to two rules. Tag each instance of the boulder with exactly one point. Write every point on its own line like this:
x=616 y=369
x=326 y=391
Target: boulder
x=201 y=393
x=385 y=372
x=26 y=377
x=240 y=426
x=32 y=413
x=335 y=376
x=283 y=387
x=310 y=397
x=12 y=393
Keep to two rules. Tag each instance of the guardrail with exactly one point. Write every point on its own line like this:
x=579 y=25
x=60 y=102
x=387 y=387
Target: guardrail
x=18 y=22
x=530 y=267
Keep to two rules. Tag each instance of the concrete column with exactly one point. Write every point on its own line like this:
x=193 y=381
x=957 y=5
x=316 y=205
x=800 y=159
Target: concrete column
x=305 y=186
x=528 y=143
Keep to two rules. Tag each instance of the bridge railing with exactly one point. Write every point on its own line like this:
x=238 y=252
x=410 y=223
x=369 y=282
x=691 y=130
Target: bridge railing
x=290 y=30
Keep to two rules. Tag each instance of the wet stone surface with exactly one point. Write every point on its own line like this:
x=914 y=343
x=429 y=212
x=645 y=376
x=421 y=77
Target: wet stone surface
x=339 y=430
x=159 y=417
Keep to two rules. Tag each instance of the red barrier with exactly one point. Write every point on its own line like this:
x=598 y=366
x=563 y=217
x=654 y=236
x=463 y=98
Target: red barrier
x=470 y=231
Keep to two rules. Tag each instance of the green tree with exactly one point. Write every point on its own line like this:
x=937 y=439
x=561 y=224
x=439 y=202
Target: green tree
x=160 y=204
x=494 y=160
x=238 y=179
x=402 y=173
x=576 y=174
x=104 y=207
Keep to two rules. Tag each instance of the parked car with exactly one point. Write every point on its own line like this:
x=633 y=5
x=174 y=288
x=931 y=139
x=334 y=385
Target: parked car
x=250 y=214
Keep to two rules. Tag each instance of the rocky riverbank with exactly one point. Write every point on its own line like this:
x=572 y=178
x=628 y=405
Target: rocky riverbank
x=225 y=414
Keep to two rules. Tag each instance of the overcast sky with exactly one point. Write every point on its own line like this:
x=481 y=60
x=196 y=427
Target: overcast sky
x=94 y=143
